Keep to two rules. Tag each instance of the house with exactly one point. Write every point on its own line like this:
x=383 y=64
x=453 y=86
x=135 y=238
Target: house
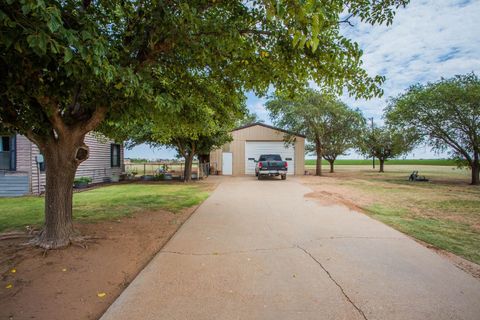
x=249 y=142
x=22 y=170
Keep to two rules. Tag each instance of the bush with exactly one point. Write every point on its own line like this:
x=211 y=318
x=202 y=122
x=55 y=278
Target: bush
x=82 y=180
x=159 y=176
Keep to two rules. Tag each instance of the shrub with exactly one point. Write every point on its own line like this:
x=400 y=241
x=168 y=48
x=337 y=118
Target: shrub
x=82 y=180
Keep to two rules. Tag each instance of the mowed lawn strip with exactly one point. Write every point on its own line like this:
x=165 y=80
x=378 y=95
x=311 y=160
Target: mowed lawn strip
x=444 y=212
x=310 y=163
x=104 y=203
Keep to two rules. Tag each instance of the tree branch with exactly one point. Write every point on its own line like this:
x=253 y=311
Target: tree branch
x=53 y=114
x=94 y=121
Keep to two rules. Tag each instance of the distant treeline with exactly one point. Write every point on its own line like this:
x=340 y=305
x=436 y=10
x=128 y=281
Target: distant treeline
x=427 y=162
x=138 y=160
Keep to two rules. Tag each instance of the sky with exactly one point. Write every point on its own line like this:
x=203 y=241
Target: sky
x=428 y=40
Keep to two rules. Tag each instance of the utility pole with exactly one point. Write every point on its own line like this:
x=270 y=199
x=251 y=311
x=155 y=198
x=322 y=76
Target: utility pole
x=373 y=161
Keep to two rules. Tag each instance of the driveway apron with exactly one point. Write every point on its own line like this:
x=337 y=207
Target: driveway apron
x=261 y=250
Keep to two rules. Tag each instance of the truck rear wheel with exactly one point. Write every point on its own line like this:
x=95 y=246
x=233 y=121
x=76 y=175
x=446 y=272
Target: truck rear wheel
x=259 y=176
x=284 y=177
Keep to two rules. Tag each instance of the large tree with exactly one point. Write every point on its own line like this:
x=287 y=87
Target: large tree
x=386 y=143
x=200 y=117
x=328 y=124
x=67 y=66
x=446 y=115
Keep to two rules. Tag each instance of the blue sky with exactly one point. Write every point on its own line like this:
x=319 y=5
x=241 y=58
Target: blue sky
x=428 y=40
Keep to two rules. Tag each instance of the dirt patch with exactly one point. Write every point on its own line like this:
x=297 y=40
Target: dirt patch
x=329 y=198
x=78 y=283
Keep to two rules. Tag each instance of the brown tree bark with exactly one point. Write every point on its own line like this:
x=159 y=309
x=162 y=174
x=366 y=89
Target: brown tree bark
x=331 y=165
x=187 y=172
x=475 y=171
x=318 y=168
x=382 y=162
x=63 y=149
x=62 y=158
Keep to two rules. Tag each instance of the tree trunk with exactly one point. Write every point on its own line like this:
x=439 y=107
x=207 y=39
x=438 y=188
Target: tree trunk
x=331 y=166
x=62 y=158
x=382 y=162
x=318 y=169
x=187 y=172
x=475 y=171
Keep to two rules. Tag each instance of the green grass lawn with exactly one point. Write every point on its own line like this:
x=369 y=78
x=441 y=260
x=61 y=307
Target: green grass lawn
x=444 y=212
x=310 y=163
x=104 y=203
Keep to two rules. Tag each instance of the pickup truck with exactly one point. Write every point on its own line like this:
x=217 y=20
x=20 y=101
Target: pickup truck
x=271 y=165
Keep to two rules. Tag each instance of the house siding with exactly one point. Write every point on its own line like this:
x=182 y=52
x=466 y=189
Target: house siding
x=97 y=166
x=17 y=183
x=27 y=178
x=13 y=185
x=255 y=133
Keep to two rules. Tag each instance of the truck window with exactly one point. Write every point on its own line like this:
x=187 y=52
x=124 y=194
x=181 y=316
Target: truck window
x=270 y=157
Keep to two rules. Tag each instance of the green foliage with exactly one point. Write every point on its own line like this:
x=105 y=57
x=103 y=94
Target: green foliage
x=138 y=160
x=82 y=180
x=386 y=143
x=105 y=203
x=329 y=125
x=248 y=118
x=130 y=57
x=445 y=115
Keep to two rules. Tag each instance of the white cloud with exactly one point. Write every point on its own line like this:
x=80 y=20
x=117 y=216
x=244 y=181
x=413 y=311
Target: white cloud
x=428 y=40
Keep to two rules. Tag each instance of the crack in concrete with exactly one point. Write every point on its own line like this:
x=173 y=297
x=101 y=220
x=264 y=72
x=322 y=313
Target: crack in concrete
x=354 y=237
x=228 y=252
x=334 y=281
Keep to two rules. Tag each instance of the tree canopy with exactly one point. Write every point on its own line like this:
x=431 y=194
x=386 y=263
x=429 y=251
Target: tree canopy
x=248 y=118
x=329 y=125
x=68 y=66
x=445 y=115
x=385 y=143
x=341 y=133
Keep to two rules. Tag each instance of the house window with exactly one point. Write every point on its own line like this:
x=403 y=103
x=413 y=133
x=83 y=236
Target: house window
x=8 y=159
x=115 y=155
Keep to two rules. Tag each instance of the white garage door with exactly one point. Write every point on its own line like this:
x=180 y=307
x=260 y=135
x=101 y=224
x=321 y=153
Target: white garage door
x=253 y=150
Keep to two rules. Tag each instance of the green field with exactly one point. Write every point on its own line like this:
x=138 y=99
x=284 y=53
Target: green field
x=425 y=162
x=104 y=203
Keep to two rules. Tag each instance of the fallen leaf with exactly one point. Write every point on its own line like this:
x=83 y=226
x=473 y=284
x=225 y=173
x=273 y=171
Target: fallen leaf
x=9 y=286
x=101 y=294
x=64 y=269
x=13 y=270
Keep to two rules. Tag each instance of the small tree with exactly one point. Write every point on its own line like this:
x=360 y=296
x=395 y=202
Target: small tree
x=342 y=130
x=329 y=125
x=189 y=147
x=446 y=115
x=386 y=143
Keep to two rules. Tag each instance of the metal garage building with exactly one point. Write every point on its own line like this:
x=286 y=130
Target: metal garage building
x=249 y=142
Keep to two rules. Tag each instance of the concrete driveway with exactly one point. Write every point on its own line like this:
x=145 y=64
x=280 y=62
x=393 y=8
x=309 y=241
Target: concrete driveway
x=260 y=250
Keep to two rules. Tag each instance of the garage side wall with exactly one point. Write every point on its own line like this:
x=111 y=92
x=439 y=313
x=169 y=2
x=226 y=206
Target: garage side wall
x=300 y=156
x=255 y=133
